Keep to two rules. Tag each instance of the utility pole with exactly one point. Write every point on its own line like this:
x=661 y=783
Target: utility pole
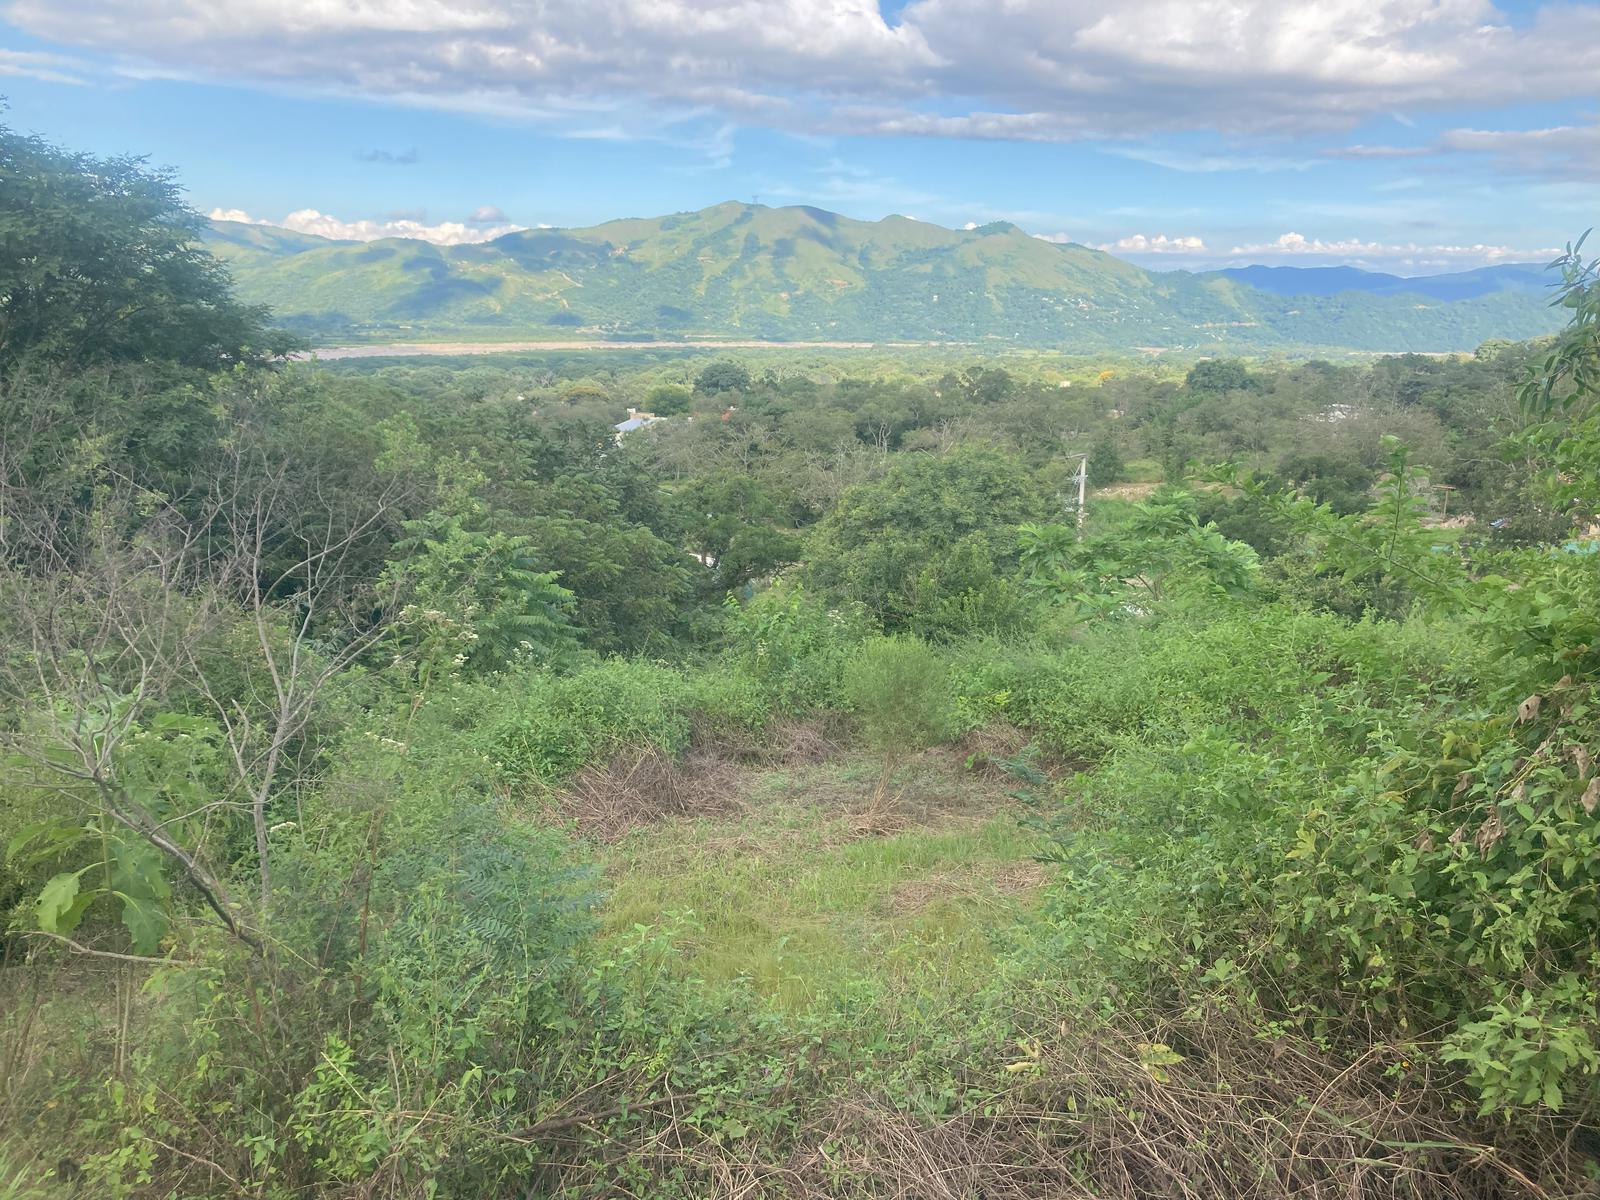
x=1083 y=482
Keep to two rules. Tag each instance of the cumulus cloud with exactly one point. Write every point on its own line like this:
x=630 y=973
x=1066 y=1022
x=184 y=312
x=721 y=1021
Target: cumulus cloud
x=1139 y=243
x=445 y=233
x=1290 y=247
x=1039 y=70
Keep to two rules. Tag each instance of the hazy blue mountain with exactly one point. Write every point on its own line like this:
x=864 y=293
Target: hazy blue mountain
x=1330 y=281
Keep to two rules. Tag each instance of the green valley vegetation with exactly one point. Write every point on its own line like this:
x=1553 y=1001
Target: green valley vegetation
x=412 y=787
x=745 y=271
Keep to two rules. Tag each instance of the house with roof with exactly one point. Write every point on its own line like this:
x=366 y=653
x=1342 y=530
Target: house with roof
x=636 y=420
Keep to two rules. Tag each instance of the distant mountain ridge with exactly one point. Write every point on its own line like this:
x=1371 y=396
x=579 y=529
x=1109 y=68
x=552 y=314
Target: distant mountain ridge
x=1330 y=281
x=744 y=271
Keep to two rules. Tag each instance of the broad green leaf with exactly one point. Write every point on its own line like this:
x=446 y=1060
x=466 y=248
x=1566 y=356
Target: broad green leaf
x=56 y=903
x=145 y=921
x=41 y=841
x=137 y=870
x=1552 y=1094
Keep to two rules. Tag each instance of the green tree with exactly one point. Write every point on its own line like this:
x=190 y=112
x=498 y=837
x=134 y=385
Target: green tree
x=100 y=261
x=1163 y=553
x=932 y=529
x=1106 y=464
x=1562 y=394
x=1218 y=375
x=983 y=386
x=668 y=400
x=1342 y=483
x=476 y=598
x=733 y=519
x=720 y=378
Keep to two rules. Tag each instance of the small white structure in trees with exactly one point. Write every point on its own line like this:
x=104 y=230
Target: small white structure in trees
x=636 y=420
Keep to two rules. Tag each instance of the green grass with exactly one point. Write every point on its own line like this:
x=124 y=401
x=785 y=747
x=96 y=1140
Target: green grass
x=806 y=892
x=1141 y=470
x=19 y=1180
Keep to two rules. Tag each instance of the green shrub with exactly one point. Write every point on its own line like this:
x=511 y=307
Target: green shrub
x=794 y=646
x=556 y=724
x=900 y=690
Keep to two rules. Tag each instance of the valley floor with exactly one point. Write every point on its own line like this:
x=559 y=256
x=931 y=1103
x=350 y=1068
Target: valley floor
x=437 y=349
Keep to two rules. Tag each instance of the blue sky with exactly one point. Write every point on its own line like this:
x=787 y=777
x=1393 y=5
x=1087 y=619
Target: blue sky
x=1409 y=135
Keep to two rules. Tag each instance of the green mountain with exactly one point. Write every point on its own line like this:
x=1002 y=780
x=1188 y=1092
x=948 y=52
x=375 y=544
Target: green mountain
x=802 y=274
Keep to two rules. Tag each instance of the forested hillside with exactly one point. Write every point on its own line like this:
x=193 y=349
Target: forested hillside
x=411 y=786
x=802 y=274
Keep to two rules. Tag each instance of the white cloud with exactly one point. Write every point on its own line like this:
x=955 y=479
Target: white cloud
x=1562 y=151
x=1406 y=258
x=47 y=68
x=1139 y=243
x=446 y=233
x=853 y=190
x=1557 y=151
x=1291 y=247
x=1040 y=70
x=1203 y=163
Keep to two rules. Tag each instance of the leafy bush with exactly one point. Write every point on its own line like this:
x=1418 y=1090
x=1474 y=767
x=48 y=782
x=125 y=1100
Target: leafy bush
x=555 y=724
x=901 y=691
x=935 y=529
x=794 y=646
x=476 y=599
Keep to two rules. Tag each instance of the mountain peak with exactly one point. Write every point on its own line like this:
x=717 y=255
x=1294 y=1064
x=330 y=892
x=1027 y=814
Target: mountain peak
x=739 y=270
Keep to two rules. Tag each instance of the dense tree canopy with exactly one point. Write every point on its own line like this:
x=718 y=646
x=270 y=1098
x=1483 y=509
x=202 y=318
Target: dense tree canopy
x=721 y=377
x=932 y=530
x=100 y=260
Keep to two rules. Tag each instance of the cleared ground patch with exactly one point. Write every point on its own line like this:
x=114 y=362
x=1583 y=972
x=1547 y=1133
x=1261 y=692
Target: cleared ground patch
x=805 y=882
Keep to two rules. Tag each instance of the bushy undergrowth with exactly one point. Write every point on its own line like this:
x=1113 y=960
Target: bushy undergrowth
x=321 y=779
x=1348 y=831
x=1303 y=827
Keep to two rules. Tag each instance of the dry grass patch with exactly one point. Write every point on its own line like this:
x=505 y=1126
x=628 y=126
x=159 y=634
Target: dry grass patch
x=1005 y=881
x=641 y=787
x=1102 y=1112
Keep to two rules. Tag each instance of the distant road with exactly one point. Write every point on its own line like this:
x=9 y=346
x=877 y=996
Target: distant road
x=415 y=349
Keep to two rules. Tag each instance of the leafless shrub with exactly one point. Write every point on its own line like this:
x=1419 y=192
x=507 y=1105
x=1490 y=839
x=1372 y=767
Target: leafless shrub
x=802 y=741
x=786 y=742
x=108 y=610
x=642 y=786
x=1102 y=1113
